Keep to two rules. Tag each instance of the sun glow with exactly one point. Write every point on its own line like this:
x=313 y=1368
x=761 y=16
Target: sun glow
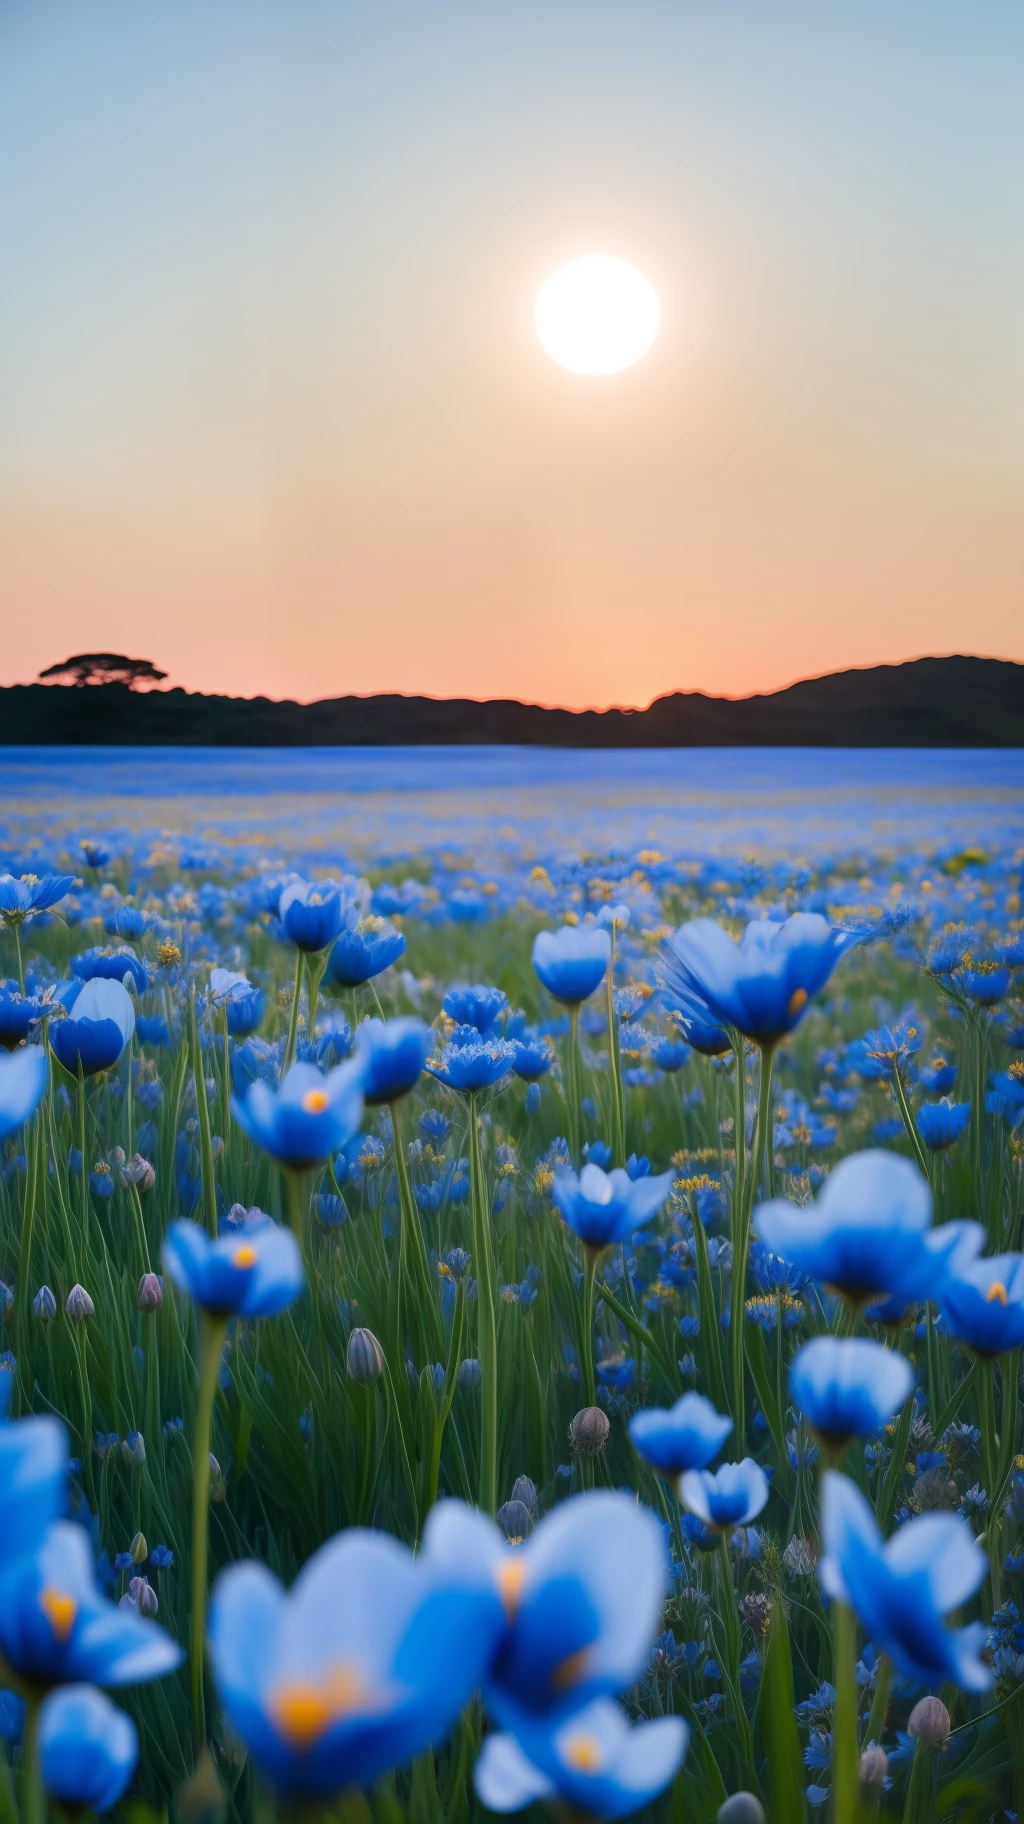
x=597 y=315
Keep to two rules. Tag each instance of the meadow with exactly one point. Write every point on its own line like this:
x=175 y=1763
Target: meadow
x=559 y=1218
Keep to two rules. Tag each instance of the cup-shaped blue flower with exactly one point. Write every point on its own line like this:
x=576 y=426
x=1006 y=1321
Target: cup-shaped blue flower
x=241 y=1003
x=603 y=1208
x=681 y=1437
x=572 y=961
x=937 y=1077
x=903 y=1589
x=110 y=966
x=33 y=1482
x=57 y=1629
x=982 y=1303
x=391 y=1056
x=253 y=1272
x=762 y=984
x=725 y=1498
x=572 y=1612
x=367 y=1659
x=940 y=1123
x=476 y=1005
x=97 y=1029
x=534 y=1056
x=594 y=1762
x=365 y=950
x=22 y=898
x=849 y=1387
x=474 y=1066
x=17 y=1013
x=865 y=1234
x=311 y=913
x=22 y=1082
x=308 y=1117
x=1006 y=1097
x=88 y=1749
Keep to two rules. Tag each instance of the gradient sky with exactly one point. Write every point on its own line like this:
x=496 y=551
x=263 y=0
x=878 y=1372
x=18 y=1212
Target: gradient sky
x=272 y=410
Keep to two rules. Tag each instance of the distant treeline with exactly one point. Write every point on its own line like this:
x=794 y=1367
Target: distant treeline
x=951 y=702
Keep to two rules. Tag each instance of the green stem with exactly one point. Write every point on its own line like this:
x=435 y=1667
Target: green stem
x=293 y=1017
x=731 y=1626
x=845 y=1751
x=880 y=1701
x=487 y=1322
x=574 y=1088
x=910 y=1124
x=213 y=1330
x=21 y=965
x=615 y=1065
x=741 y=1236
x=206 y=1168
x=591 y=1257
x=84 y=1174
x=86 y=1398
x=32 y=1803
x=411 y=1244
x=451 y=1381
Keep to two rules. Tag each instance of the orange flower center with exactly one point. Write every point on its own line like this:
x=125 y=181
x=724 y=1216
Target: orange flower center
x=60 y=1610
x=303 y=1711
x=797 y=1002
x=244 y=1255
x=584 y=1752
x=996 y=1294
x=510 y=1578
x=315 y=1101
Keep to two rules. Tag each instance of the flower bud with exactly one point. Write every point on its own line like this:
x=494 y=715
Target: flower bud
x=79 y=1305
x=139 y=1549
x=365 y=1358
x=741 y=1808
x=44 y=1305
x=151 y=1293
x=525 y=1491
x=144 y=1596
x=516 y=1521
x=470 y=1375
x=140 y=1173
x=589 y=1432
x=133 y=1449
x=929 y=1723
x=117 y=1156
x=874 y=1765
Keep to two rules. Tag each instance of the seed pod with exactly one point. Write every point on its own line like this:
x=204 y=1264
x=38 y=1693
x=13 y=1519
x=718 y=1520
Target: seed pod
x=874 y=1765
x=741 y=1808
x=44 y=1305
x=589 y=1432
x=929 y=1723
x=365 y=1358
x=151 y=1293
x=79 y=1305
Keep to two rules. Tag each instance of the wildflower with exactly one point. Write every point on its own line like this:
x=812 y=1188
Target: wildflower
x=119 y=966
x=24 y=899
x=44 y=1305
x=879 y=1055
x=589 y=1432
x=603 y=1208
x=929 y=1723
x=474 y=1066
x=311 y=913
x=982 y=1303
x=686 y=1436
x=97 y=1029
x=940 y=1123
x=480 y=1007
x=365 y=1358
x=150 y=1295
x=22 y=1082
x=79 y=1305
x=391 y=1055
x=903 y=1589
x=762 y=984
x=88 y=1749
x=254 y=1272
x=308 y=1118
x=571 y=962
x=533 y=1058
x=17 y=1013
x=725 y=1498
x=848 y=1388
x=595 y=1763
x=364 y=950
x=938 y=1077
x=365 y=1661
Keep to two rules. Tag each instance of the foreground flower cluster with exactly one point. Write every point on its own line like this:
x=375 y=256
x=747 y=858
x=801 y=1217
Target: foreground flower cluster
x=553 y=1340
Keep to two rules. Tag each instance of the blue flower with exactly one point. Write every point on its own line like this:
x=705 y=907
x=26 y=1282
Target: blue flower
x=474 y=1066
x=87 y=1748
x=594 y=1762
x=605 y=1207
x=938 y=1077
x=367 y=1659
x=311 y=912
x=867 y=1233
x=982 y=1303
x=33 y=1481
x=534 y=1057
x=17 y=1013
x=480 y=1007
x=110 y=966
x=762 y=984
x=23 y=899
x=308 y=1117
x=1006 y=1096
x=902 y=1590
x=940 y=1123
x=253 y=1272
x=848 y=1388
x=126 y=921
x=365 y=950
x=97 y=1029
x=686 y=1436
x=391 y=1056
x=879 y=1055
x=670 y=1054
x=726 y=1498
x=22 y=1082
x=57 y=1629
x=571 y=962
x=242 y=1003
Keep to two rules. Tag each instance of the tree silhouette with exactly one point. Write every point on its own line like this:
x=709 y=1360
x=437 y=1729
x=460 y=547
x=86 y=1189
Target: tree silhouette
x=102 y=668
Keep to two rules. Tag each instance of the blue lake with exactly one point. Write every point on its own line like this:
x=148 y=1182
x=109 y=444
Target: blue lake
x=389 y=801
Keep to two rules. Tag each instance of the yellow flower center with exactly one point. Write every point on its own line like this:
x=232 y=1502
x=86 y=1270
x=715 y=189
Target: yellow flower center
x=60 y=1610
x=303 y=1711
x=996 y=1294
x=797 y=1002
x=510 y=1577
x=584 y=1752
x=244 y=1255
x=315 y=1101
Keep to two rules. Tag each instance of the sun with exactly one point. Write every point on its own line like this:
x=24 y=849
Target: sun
x=597 y=315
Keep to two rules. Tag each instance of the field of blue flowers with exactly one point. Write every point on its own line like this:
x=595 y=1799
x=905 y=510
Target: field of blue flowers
x=493 y=1325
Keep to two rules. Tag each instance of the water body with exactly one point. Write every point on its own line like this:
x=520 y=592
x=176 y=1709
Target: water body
x=392 y=801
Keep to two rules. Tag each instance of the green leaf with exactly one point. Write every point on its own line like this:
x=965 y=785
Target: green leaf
x=778 y=1723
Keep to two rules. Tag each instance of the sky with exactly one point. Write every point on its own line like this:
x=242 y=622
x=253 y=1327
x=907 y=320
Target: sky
x=273 y=413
